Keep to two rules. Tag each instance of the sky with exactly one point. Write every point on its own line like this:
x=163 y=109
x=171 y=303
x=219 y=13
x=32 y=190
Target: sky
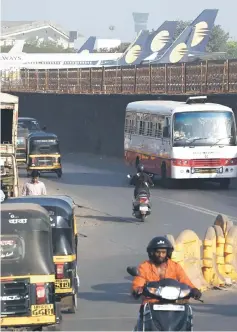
x=93 y=17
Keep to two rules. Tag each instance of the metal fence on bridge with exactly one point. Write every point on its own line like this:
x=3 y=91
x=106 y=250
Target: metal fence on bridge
x=205 y=77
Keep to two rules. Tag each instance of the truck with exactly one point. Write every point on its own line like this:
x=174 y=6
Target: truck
x=8 y=164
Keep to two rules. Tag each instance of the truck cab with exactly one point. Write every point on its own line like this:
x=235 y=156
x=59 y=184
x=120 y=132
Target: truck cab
x=9 y=171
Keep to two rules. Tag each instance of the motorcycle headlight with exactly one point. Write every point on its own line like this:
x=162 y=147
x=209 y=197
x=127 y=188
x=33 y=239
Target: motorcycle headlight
x=169 y=293
x=153 y=290
x=184 y=293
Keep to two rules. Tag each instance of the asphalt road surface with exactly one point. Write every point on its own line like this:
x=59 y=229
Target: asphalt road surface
x=111 y=239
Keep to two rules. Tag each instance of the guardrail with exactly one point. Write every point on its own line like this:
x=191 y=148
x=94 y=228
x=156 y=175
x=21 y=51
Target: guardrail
x=188 y=78
x=214 y=265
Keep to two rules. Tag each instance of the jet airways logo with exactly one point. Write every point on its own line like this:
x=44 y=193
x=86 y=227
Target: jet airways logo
x=160 y=40
x=11 y=58
x=200 y=32
x=133 y=54
x=178 y=53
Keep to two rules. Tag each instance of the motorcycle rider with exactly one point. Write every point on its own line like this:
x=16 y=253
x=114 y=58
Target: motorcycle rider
x=139 y=180
x=159 y=266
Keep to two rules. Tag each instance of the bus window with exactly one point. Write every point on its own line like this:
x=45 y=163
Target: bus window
x=157 y=126
x=166 y=128
x=147 y=124
x=149 y=128
x=158 y=130
x=140 y=124
x=130 y=121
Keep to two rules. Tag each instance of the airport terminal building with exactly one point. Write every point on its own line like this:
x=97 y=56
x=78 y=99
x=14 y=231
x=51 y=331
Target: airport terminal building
x=36 y=30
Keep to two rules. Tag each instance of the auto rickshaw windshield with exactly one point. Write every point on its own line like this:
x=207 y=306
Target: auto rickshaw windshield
x=44 y=146
x=26 y=240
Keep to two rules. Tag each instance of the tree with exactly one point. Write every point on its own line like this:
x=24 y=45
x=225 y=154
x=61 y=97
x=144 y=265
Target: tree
x=232 y=49
x=218 y=37
x=180 y=28
x=218 y=40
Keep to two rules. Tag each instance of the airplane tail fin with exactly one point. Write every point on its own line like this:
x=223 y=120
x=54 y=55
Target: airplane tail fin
x=133 y=54
x=147 y=43
x=17 y=47
x=159 y=41
x=194 y=38
x=88 y=46
x=202 y=28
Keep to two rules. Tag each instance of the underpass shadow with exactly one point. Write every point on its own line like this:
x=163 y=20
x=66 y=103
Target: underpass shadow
x=98 y=161
x=216 y=309
x=117 y=292
x=195 y=185
x=91 y=179
x=113 y=219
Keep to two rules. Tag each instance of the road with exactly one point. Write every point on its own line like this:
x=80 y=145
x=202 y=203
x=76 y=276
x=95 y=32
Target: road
x=110 y=240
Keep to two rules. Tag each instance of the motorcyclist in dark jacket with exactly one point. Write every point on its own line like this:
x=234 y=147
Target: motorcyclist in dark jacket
x=139 y=180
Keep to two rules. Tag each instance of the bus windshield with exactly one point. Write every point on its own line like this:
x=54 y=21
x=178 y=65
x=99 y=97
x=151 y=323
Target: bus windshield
x=44 y=146
x=204 y=128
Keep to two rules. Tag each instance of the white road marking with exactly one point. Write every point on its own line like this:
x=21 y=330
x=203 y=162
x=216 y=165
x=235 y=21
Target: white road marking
x=194 y=208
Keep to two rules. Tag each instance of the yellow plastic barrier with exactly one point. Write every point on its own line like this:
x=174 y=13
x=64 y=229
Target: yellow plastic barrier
x=212 y=262
x=176 y=256
x=230 y=253
x=220 y=258
x=224 y=223
x=188 y=255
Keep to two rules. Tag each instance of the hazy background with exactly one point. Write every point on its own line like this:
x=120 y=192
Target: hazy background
x=93 y=17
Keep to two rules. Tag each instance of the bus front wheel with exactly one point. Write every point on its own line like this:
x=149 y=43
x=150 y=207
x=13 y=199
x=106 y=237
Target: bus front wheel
x=166 y=182
x=163 y=175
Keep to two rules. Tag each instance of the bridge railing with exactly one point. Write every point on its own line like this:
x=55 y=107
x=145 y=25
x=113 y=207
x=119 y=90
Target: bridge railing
x=189 y=78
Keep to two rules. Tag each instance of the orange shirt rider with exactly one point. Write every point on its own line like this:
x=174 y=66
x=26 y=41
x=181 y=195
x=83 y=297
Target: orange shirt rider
x=160 y=266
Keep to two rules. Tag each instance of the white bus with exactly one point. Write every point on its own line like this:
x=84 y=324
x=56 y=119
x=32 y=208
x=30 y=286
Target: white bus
x=182 y=140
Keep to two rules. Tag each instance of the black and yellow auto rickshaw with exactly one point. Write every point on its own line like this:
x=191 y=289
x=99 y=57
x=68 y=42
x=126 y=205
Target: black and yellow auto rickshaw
x=25 y=126
x=28 y=299
x=43 y=153
x=64 y=234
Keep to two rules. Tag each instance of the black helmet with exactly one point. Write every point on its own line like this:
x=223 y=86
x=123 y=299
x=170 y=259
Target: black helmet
x=140 y=168
x=159 y=242
x=35 y=174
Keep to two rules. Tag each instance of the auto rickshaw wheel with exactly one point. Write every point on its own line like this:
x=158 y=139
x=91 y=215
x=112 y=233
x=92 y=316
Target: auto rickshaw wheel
x=59 y=317
x=73 y=308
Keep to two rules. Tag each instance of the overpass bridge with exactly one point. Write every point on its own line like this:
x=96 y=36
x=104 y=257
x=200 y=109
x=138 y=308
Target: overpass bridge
x=209 y=77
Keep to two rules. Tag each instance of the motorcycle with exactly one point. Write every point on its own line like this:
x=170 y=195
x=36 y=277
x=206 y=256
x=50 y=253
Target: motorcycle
x=142 y=205
x=167 y=314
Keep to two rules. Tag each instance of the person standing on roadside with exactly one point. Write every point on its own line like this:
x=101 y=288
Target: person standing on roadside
x=34 y=187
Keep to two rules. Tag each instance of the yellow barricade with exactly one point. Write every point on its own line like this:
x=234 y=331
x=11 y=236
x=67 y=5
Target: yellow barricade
x=230 y=253
x=224 y=223
x=188 y=255
x=213 y=255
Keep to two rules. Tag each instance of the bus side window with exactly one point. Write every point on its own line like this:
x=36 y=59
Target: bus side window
x=157 y=127
x=130 y=123
x=147 y=124
x=140 y=124
x=149 y=128
x=141 y=128
x=166 y=128
x=127 y=127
